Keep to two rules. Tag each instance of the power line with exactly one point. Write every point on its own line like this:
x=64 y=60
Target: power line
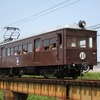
x=44 y=12
x=97 y=26
x=27 y=20
x=14 y=10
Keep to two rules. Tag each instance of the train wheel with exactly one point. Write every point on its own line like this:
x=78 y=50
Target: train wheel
x=10 y=73
x=21 y=72
x=60 y=74
x=47 y=74
x=75 y=77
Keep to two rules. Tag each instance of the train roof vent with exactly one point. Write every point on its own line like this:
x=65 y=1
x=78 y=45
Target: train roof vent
x=11 y=33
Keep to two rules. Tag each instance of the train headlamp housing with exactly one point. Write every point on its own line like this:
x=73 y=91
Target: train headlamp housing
x=82 y=24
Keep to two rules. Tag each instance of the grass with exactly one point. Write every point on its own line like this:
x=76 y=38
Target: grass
x=92 y=75
x=36 y=97
x=1 y=95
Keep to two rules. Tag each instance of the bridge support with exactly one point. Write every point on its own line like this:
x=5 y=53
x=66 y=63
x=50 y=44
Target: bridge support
x=8 y=95
x=20 y=96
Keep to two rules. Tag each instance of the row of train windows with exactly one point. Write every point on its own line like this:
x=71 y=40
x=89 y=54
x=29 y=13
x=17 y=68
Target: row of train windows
x=47 y=44
x=81 y=42
x=27 y=48
x=22 y=49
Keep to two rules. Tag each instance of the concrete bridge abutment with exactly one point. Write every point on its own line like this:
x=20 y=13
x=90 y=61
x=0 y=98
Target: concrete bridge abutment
x=8 y=95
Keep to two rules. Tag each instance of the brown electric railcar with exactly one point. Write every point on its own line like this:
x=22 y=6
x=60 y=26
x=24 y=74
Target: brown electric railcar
x=65 y=52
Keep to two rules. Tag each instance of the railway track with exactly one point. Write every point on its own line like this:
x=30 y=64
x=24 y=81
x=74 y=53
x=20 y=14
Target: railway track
x=83 y=82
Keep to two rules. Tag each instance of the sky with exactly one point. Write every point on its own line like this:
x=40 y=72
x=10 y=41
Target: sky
x=36 y=16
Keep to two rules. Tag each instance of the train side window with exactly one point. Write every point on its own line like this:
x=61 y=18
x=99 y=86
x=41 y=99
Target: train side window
x=46 y=44
x=4 y=52
x=29 y=47
x=24 y=49
x=8 y=51
x=90 y=42
x=12 y=51
x=37 y=45
x=20 y=49
x=16 y=51
x=53 y=43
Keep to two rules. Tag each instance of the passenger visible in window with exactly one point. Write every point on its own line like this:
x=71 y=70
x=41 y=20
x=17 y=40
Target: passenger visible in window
x=53 y=42
x=54 y=46
x=73 y=44
x=51 y=46
x=38 y=49
x=16 y=52
x=24 y=51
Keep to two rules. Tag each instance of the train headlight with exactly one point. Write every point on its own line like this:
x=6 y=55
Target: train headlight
x=82 y=55
x=82 y=24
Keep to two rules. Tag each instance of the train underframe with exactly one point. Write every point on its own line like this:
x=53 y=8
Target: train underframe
x=60 y=71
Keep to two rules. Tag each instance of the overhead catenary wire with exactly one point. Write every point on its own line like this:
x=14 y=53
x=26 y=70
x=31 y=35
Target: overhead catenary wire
x=97 y=26
x=44 y=12
x=50 y=11
x=12 y=12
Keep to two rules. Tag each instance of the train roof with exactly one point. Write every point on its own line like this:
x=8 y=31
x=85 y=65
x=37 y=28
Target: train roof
x=73 y=26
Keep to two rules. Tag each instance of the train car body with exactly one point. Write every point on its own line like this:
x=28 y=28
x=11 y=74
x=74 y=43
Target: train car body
x=64 y=52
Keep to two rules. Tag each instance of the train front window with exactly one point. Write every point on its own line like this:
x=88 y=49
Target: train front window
x=79 y=42
x=90 y=42
x=71 y=42
x=82 y=42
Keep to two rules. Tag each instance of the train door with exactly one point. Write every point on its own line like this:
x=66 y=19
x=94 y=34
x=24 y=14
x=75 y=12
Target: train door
x=37 y=50
x=2 y=53
x=60 y=47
